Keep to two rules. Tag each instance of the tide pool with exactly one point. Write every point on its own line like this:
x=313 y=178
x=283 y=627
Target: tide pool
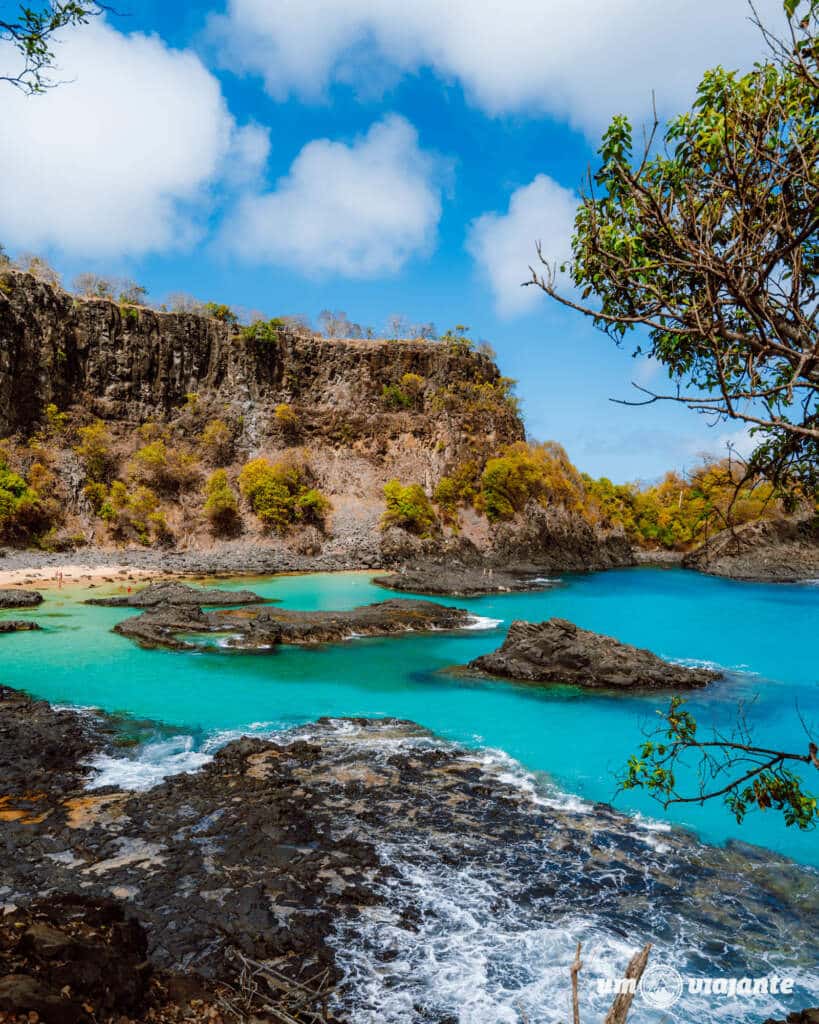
x=763 y=636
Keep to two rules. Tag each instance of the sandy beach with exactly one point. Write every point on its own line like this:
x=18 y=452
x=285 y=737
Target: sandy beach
x=47 y=576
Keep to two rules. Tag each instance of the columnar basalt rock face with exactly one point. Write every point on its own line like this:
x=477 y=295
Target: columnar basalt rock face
x=137 y=364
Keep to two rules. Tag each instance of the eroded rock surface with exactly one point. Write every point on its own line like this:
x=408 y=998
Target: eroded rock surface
x=13 y=598
x=178 y=595
x=252 y=629
x=557 y=651
x=471 y=581
x=776 y=551
x=17 y=625
x=342 y=851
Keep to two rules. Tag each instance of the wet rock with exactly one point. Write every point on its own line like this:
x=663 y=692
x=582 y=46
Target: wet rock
x=465 y=581
x=178 y=595
x=776 y=551
x=246 y=629
x=285 y=851
x=557 y=651
x=20 y=598
x=17 y=625
x=810 y=1016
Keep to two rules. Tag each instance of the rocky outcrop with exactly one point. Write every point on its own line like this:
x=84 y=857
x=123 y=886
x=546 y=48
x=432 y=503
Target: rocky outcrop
x=299 y=850
x=20 y=598
x=776 y=551
x=17 y=625
x=514 y=556
x=249 y=629
x=557 y=651
x=178 y=595
x=460 y=581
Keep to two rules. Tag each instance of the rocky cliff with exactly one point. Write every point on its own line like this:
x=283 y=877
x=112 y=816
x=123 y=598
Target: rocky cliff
x=361 y=412
x=776 y=551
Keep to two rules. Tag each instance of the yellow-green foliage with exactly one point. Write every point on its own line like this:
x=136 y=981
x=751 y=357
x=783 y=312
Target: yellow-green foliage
x=26 y=510
x=408 y=507
x=217 y=442
x=470 y=399
x=221 y=503
x=95 y=451
x=679 y=512
x=136 y=514
x=56 y=421
x=265 y=331
x=395 y=397
x=523 y=473
x=286 y=419
x=168 y=468
x=456 y=489
x=281 y=494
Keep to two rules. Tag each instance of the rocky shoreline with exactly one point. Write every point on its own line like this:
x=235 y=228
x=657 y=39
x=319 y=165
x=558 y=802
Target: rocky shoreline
x=303 y=854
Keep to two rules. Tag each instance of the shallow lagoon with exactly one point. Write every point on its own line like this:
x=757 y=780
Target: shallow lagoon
x=764 y=636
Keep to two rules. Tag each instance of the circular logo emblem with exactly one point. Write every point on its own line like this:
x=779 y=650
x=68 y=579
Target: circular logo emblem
x=661 y=986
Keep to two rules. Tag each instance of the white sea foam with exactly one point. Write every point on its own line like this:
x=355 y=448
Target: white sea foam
x=483 y=622
x=156 y=760
x=542 y=579
x=153 y=763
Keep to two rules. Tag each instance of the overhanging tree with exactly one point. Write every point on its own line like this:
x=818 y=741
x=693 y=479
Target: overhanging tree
x=709 y=241
x=32 y=32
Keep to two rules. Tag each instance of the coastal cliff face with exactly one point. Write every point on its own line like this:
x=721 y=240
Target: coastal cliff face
x=136 y=364
x=358 y=412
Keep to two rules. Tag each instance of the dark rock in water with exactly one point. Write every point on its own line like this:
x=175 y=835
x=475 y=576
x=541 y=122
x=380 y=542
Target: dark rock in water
x=251 y=629
x=557 y=651
x=17 y=625
x=776 y=551
x=178 y=595
x=20 y=598
x=810 y=1016
x=462 y=581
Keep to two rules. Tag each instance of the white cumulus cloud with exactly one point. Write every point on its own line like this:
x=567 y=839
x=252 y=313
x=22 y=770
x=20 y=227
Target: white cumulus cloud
x=503 y=245
x=581 y=62
x=357 y=210
x=119 y=158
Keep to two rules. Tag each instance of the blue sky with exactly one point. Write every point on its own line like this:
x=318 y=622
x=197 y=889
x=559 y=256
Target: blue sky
x=372 y=156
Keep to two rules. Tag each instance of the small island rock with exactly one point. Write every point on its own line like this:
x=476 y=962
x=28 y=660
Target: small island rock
x=557 y=651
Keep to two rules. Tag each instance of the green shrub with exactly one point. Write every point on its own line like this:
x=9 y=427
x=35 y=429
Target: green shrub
x=394 y=397
x=130 y=515
x=219 y=311
x=216 y=442
x=456 y=339
x=95 y=451
x=166 y=468
x=525 y=472
x=281 y=494
x=408 y=507
x=286 y=419
x=265 y=331
x=221 y=504
x=25 y=513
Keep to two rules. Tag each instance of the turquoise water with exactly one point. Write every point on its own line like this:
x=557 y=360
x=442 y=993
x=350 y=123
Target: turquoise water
x=764 y=636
